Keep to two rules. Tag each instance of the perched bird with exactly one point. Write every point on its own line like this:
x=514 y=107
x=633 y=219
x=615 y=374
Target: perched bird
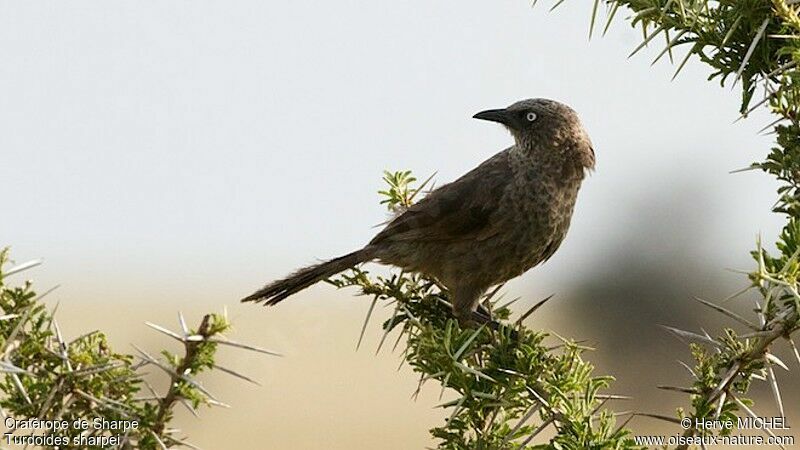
x=494 y=223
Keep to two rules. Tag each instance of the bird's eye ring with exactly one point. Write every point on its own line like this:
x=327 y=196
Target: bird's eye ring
x=531 y=116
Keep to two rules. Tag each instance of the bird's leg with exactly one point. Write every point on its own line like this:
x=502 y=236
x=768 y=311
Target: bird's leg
x=470 y=313
x=469 y=319
x=481 y=318
x=465 y=304
x=483 y=310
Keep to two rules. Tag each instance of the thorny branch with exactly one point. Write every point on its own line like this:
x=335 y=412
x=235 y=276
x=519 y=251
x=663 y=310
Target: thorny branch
x=43 y=375
x=756 y=45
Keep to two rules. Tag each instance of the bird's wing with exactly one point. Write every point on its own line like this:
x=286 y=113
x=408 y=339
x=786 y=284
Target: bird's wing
x=461 y=210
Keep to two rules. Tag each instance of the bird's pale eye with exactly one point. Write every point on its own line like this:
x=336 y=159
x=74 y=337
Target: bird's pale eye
x=531 y=116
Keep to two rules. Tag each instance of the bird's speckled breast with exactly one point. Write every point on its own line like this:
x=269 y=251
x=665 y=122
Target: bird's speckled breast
x=542 y=199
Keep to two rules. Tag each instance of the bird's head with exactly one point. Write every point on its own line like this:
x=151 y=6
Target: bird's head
x=547 y=128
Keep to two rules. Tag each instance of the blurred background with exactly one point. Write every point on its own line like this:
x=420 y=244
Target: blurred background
x=174 y=156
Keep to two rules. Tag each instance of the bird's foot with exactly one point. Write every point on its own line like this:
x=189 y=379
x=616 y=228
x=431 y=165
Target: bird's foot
x=483 y=318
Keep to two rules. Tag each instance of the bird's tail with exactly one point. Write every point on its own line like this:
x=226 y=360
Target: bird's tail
x=278 y=290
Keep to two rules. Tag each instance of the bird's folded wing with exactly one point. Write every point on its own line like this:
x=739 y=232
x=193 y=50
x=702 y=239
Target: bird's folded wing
x=462 y=210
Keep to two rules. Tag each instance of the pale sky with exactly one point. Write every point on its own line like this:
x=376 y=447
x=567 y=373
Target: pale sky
x=179 y=142
x=182 y=153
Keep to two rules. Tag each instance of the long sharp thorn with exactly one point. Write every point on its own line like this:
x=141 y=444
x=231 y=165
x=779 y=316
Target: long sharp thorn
x=538 y=397
x=493 y=292
x=185 y=443
x=366 y=321
x=720 y=404
x=189 y=407
x=755 y=334
x=750 y=49
x=686 y=366
x=677 y=389
x=91 y=370
x=776 y=393
x=22 y=267
x=728 y=313
x=50 y=397
x=647 y=40
x=683 y=62
x=151 y=389
x=730 y=31
x=21 y=388
x=244 y=346
x=83 y=336
x=105 y=402
x=668 y=49
x=444 y=385
x=597 y=408
x=399 y=337
x=624 y=424
x=12 y=337
x=775 y=360
x=759 y=312
x=421 y=187
x=534 y=308
x=389 y=328
x=160 y=442
x=723 y=384
x=794 y=349
x=237 y=374
x=753 y=108
x=457 y=409
x=475 y=372
x=508 y=303
x=466 y=343
x=62 y=346
x=659 y=417
x=771 y=124
x=558 y=3
x=213 y=402
x=739 y=292
x=415 y=395
x=754 y=416
x=536 y=432
x=531 y=411
x=47 y=292
x=612 y=397
x=684 y=335
x=594 y=17
x=780 y=69
x=7 y=367
x=611 y=16
x=161 y=329
x=740 y=271
x=182 y=321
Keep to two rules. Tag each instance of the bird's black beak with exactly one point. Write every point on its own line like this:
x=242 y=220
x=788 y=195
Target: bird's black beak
x=495 y=115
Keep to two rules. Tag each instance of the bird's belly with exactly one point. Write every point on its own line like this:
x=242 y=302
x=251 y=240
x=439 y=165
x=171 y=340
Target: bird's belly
x=486 y=262
x=520 y=250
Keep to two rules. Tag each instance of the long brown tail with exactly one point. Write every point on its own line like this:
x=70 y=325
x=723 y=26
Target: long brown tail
x=278 y=290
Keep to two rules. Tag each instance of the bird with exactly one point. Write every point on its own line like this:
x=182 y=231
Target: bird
x=492 y=224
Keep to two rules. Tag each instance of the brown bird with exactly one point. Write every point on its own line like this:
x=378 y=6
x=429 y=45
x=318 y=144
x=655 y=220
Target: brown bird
x=494 y=223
